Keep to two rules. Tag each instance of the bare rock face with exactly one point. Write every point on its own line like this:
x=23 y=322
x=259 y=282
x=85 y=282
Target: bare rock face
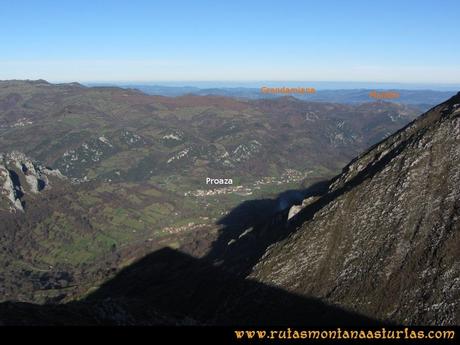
x=19 y=175
x=385 y=240
x=294 y=210
x=9 y=190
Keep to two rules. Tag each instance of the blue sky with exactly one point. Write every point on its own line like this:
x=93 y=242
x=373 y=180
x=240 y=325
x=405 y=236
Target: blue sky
x=98 y=40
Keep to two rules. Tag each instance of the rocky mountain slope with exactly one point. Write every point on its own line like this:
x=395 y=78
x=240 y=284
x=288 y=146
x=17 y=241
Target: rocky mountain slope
x=384 y=241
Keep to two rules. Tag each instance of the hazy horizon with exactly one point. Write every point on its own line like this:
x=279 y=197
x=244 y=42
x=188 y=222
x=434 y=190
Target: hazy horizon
x=235 y=84
x=319 y=85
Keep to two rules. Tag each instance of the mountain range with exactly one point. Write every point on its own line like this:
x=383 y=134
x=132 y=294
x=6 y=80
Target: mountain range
x=423 y=99
x=106 y=216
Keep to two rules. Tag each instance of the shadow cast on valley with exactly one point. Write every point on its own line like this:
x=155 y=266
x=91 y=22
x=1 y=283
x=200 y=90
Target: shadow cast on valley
x=248 y=229
x=170 y=287
x=185 y=287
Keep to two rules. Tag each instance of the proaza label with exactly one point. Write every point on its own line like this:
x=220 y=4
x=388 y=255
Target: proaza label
x=222 y=181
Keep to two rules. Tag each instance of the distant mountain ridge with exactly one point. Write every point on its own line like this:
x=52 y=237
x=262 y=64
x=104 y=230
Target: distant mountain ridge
x=422 y=98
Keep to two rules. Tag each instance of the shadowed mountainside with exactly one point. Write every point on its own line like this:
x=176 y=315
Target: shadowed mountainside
x=384 y=241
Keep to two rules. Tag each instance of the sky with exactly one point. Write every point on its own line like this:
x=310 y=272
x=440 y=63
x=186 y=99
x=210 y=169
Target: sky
x=181 y=41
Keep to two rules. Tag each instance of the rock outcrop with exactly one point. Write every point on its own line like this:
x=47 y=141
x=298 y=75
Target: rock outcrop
x=19 y=176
